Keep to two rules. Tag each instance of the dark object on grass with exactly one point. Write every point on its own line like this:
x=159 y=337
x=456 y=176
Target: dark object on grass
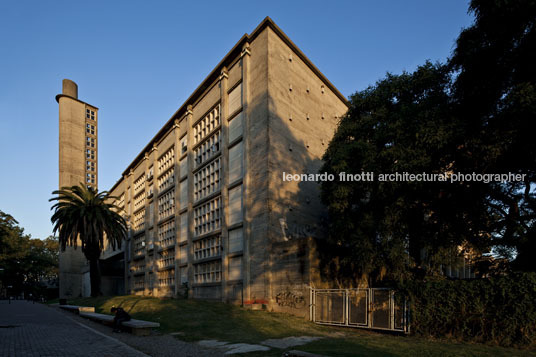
x=120 y=317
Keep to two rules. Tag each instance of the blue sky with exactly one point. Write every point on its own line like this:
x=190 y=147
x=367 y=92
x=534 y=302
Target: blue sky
x=139 y=60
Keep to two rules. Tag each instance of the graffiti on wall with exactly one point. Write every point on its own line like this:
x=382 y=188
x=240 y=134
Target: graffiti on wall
x=290 y=299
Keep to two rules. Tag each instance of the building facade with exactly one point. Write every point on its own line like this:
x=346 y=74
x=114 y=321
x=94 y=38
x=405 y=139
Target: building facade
x=208 y=209
x=78 y=148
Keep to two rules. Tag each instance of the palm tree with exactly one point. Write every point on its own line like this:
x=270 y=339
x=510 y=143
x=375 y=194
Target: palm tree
x=83 y=214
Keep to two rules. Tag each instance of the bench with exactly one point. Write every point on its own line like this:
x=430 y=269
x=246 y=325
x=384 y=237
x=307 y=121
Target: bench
x=137 y=327
x=77 y=309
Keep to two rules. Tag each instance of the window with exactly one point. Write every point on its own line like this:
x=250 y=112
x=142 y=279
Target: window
x=235 y=205
x=166 y=234
x=139 y=200
x=207 y=217
x=166 y=180
x=184 y=275
x=235 y=127
x=139 y=184
x=166 y=204
x=166 y=259
x=184 y=144
x=236 y=240
x=90 y=154
x=166 y=160
x=166 y=278
x=183 y=167
x=207 y=125
x=139 y=220
x=90 y=178
x=235 y=99
x=90 y=166
x=207 y=272
x=207 y=248
x=209 y=149
x=207 y=180
x=235 y=162
x=90 y=129
x=90 y=142
x=90 y=114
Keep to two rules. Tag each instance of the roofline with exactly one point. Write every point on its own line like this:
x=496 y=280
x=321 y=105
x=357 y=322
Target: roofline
x=227 y=60
x=73 y=98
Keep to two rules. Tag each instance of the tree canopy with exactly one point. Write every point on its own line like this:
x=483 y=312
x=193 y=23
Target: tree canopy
x=472 y=114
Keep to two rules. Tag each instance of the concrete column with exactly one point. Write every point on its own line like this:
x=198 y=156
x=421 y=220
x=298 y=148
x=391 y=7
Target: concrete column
x=189 y=123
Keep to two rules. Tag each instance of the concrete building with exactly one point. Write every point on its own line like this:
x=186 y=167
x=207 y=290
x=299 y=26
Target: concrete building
x=78 y=149
x=209 y=211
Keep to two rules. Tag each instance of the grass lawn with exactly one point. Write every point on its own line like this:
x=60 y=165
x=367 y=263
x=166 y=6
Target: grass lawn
x=201 y=320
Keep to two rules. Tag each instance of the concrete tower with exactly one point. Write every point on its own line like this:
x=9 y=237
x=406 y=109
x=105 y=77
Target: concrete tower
x=77 y=165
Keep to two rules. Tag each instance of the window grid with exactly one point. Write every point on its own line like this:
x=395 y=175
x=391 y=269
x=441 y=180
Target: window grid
x=166 y=180
x=166 y=204
x=90 y=114
x=166 y=278
x=139 y=184
x=167 y=259
x=90 y=178
x=166 y=234
x=138 y=268
x=209 y=272
x=206 y=125
x=139 y=220
x=90 y=129
x=139 y=282
x=207 y=247
x=208 y=149
x=90 y=154
x=166 y=161
x=139 y=244
x=207 y=180
x=121 y=201
x=90 y=166
x=207 y=217
x=139 y=200
x=90 y=142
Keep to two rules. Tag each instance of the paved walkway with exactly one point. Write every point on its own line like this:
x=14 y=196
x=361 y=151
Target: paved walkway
x=28 y=329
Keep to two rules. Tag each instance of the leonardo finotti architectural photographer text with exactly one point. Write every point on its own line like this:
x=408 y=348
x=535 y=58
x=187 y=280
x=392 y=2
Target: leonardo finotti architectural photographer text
x=406 y=176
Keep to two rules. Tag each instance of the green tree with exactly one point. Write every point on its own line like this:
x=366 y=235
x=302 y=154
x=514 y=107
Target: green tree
x=14 y=245
x=495 y=96
x=84 y=216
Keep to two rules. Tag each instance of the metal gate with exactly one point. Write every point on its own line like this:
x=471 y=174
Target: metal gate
x=375 y=308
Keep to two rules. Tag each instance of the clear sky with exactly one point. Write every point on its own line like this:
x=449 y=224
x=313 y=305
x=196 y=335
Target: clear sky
x=138 y=61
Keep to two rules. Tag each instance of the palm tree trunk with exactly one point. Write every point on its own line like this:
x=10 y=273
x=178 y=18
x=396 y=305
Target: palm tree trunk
x=95 y=277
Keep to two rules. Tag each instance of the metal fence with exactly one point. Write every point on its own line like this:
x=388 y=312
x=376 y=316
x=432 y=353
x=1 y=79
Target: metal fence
x=374 y=308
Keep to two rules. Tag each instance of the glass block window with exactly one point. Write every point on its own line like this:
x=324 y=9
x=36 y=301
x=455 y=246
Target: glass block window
x=207 y=180
x=166 y=160
x=183 y=194
x=207 y=125
x=139 y=220
x=183 y=254
x=166 y=180
x=90 y=154
x=235 y=268
x=235 y=162
x=183 y=236
x=207 y=217
x=235 y=99
x=207 y=247
x=166 y=234
x=166 y=259
x=90 y=142
x=235 y=205
x=209 y=272
x=139 y=282
x=235 y=127
x=166 y=204
x=210 y=148
x=90 y=114
x=166 y=278
x=139 y=200
x=139 y=184
x=236 y=240
x=90 y=129
x=183 y=166
x=139 y=245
